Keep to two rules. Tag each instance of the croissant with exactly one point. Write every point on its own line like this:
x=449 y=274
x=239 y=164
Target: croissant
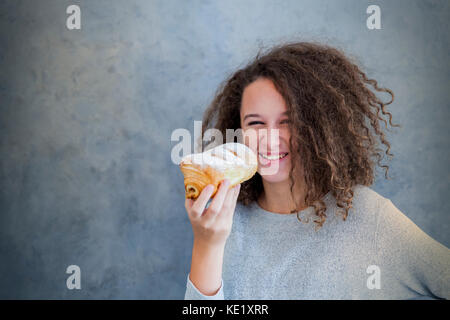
x=233 y=161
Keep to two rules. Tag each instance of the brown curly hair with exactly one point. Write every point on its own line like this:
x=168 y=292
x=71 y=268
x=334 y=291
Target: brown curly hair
x=334 y=119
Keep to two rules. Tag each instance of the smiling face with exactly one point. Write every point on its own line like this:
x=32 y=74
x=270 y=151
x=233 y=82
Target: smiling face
x=265 y=128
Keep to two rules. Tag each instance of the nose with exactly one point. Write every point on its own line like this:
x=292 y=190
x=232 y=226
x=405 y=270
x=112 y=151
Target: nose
x=269 y=140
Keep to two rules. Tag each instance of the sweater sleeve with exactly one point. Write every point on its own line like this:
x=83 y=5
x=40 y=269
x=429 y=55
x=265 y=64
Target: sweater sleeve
x=412 y=260
x=192 y=293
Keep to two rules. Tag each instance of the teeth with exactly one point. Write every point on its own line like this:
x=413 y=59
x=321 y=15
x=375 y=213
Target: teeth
x=274 y=157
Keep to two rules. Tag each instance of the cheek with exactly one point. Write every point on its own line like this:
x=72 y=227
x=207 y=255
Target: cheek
x=250 y=139
x=285 y=135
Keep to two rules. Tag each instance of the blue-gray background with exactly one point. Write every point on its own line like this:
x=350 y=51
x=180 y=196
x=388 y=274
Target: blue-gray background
x=86 y=118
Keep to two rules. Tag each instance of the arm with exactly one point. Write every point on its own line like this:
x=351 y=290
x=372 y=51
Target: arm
x=206 y=272
x=211 y=229
x=413 y=259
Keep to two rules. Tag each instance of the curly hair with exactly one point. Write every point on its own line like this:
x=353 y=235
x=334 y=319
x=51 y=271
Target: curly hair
x=334 y=120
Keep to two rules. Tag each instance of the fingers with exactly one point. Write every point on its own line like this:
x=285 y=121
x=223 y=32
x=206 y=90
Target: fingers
x=227 y=211
x=196 y=208
x=229 y=203
x=188 y=203
x=216 y=204
x=224 y=201
x=230 y=198
x=232 y=201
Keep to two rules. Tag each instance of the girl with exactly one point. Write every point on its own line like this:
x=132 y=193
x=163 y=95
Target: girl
x=317 y=124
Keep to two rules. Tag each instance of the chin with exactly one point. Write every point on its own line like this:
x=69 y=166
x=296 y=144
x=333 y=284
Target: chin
x=275 y=178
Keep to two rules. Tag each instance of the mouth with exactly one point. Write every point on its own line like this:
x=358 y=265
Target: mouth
x=267 y=160
x=274 y=156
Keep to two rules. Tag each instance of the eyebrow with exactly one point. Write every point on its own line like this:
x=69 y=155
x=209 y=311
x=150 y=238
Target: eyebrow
x=255 y=115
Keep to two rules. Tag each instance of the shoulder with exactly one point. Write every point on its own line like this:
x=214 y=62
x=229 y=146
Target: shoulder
x=364 y=196
x=410 y=254
x=365 y=206
x=398 y=236
x=366 y=203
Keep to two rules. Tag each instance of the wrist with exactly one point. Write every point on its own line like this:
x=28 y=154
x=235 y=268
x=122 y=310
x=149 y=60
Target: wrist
x=204 y=246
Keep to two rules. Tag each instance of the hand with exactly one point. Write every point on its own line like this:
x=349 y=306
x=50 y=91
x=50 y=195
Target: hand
x=212 y=226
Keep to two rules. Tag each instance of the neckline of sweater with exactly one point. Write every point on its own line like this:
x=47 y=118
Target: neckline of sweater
x=276 y=215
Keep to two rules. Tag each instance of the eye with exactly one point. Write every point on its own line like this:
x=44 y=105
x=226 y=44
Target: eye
x=254 y=122
x=285 y=121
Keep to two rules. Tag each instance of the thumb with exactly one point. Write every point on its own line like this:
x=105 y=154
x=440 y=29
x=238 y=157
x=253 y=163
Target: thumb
x=188 y=203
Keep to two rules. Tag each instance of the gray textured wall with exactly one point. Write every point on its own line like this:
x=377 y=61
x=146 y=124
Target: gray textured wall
x=86 y=118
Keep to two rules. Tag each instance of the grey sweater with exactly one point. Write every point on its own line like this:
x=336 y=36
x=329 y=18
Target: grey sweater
x=377 y=253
